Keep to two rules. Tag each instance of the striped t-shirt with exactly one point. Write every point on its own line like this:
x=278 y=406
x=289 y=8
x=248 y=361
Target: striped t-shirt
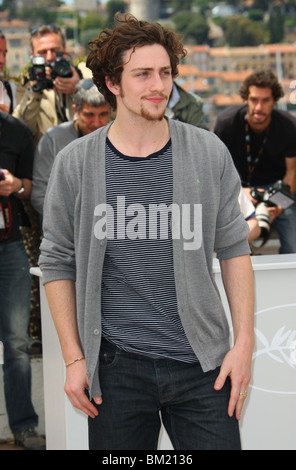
x=139 y=304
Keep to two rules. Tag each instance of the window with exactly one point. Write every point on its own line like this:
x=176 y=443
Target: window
x=15 y=43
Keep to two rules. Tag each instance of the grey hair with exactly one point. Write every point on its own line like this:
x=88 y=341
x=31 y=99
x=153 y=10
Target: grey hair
x=86 y=92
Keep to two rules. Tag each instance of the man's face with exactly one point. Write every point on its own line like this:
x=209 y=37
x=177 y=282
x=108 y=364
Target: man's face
x=47 y=46
x=260 y=104
x=91 y=118
x=3 y=52
x=146 y=83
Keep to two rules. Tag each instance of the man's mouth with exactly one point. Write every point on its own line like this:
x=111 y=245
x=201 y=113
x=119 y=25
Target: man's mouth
x=258 y=115
x=156 y=99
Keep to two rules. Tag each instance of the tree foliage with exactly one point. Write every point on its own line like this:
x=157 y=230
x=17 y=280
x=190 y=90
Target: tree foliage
x=263 y=22
x=192 y=26
x=241 y=32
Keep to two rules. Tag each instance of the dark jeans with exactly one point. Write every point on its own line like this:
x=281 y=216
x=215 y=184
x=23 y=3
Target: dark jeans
x=137 y=389
x=15 y=288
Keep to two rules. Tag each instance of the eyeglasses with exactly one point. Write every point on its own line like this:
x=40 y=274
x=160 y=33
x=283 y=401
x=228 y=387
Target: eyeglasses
x=49 y=26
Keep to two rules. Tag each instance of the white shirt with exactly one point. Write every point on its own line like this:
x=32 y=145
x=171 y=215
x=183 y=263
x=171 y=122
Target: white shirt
x=4 y=98
x=246 y=206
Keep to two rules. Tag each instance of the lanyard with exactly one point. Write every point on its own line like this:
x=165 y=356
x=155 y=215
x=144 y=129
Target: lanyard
x=5 y=218
x=253 y=162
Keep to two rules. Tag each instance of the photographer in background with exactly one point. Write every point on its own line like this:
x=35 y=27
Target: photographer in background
x=51 y=103
x=186 y=107
x=16 y=165
x=91 y=112
x=262 y=143
x=7 y=88
x=47 y=106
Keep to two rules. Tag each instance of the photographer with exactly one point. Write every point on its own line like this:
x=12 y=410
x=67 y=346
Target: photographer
x=16 y=164
x=262 y=143
x=91 y=112
x=50 y=102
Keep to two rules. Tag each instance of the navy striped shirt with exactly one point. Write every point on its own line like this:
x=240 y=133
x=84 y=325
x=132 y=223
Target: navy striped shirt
x=139 y=304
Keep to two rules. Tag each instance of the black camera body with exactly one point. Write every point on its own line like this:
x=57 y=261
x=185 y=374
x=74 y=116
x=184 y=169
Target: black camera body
x=276 y=195
x=60 y=67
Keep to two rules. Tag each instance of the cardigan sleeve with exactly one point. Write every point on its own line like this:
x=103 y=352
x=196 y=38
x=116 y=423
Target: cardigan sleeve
x=57 y=251
x=232 y=230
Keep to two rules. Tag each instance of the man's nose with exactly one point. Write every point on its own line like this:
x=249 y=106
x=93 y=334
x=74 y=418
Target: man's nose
x=50 y=56
x=157 y=83
x=259 y=105
x=98 y=121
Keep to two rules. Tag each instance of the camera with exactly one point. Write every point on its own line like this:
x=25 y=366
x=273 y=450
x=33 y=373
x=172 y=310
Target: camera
x=2 y=176
x=60 y=67
x=263 y=219
x=276 y=195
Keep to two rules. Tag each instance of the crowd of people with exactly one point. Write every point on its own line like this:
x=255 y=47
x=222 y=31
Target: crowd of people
x=59 y=116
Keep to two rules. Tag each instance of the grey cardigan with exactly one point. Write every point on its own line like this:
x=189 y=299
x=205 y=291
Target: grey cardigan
x=203 y=173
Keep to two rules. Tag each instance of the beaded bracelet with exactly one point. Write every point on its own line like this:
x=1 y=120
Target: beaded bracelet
x=76 y=360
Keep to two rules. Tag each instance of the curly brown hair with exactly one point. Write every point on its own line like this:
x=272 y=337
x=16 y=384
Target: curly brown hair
x=262 y=79
x=106 y=55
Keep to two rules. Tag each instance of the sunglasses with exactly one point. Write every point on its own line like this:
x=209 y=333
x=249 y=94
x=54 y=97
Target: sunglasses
x=50 y=26
x=87 y=84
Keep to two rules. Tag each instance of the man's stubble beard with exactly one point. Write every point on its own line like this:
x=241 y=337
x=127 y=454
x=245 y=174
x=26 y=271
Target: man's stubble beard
x=150 y=117
x=144 y=113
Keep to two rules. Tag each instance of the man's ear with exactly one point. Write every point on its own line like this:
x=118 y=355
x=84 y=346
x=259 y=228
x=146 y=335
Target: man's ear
x=75 y=110
x=113 y=87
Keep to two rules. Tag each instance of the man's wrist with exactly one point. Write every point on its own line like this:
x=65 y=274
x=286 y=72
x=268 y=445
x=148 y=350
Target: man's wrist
x=81 y=358
x=21 y=190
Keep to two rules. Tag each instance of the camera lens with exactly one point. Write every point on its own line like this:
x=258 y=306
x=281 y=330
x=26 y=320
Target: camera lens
x=61 y=68
x=263 y=218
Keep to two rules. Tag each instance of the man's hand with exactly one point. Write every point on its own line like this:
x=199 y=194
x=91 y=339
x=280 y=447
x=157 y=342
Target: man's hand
x=237 y=276
x=236 y=365
x=4 y=108
x=76 y=383
x=249 y=196
x=67 y=86
x=10 y=184
x=274 y=212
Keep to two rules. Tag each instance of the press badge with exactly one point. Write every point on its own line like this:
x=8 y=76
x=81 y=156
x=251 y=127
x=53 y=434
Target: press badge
x=1 y=353
x=2 y=219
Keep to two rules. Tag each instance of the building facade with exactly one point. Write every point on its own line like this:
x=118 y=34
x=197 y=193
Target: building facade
x=17 y=35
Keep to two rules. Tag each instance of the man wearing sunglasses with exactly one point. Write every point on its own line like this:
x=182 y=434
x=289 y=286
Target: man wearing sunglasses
x=48 y=107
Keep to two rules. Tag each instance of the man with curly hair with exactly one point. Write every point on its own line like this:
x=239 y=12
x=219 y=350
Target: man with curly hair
x=133 y=213
x=261 y=140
